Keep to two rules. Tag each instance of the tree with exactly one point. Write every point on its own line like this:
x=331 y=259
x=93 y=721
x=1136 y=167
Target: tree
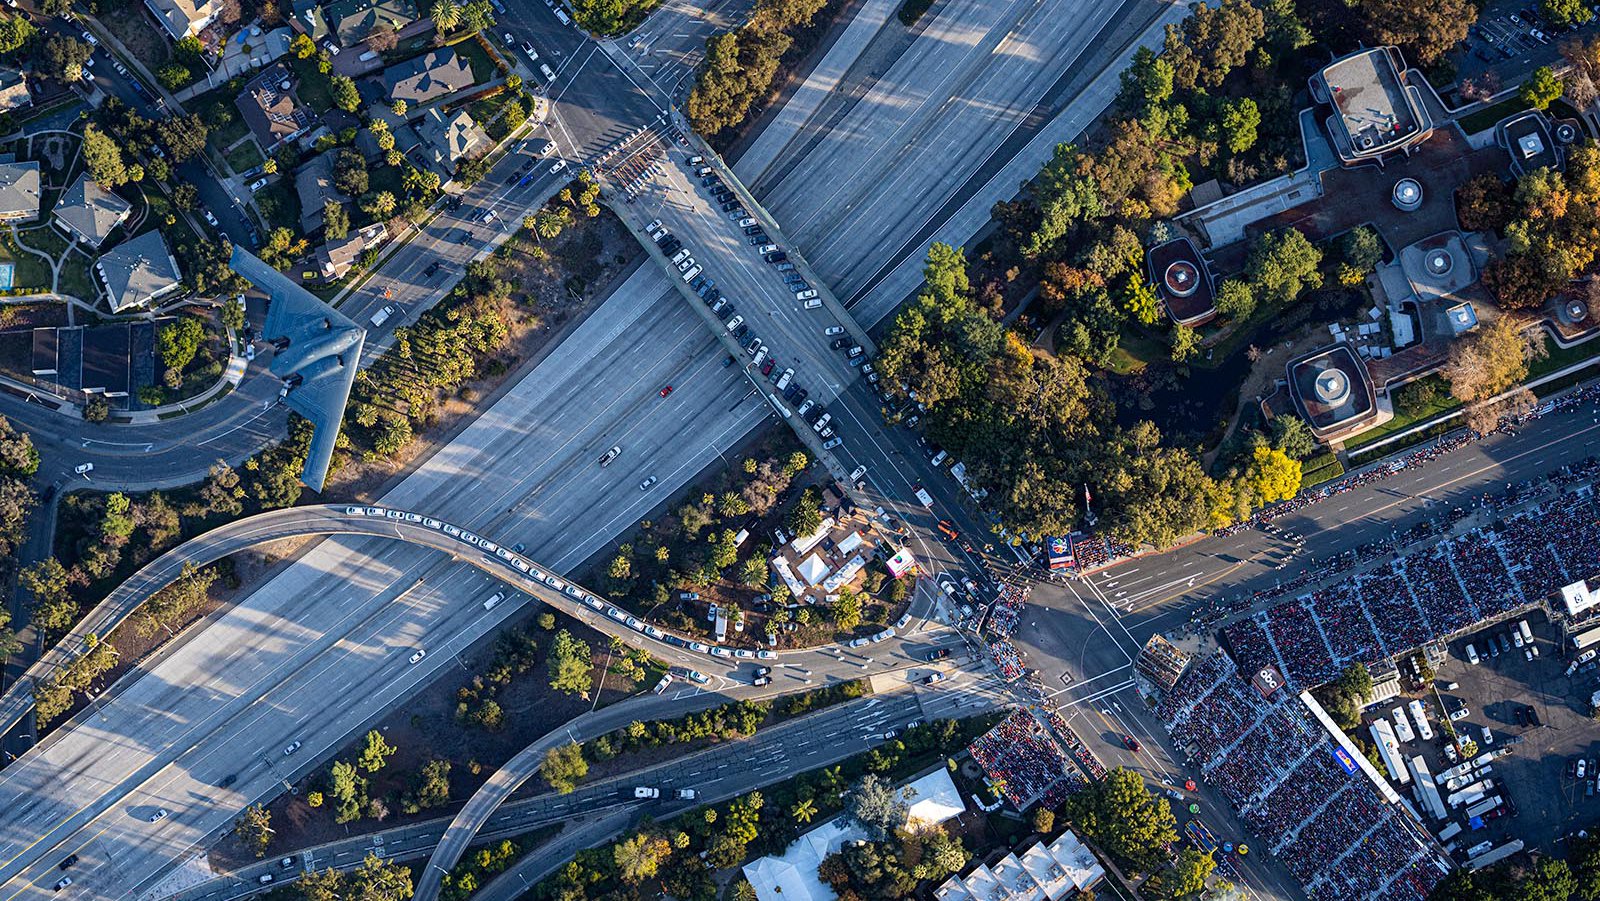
x=805 y=517
x=350 y=172
x=847 y=612
x=96 y=409
x=335 y=221
x=1426 y=31
x=571 y=664
x=804 y=810
x=62 y=58
x=1290 y=434
x=1272 y=476
x=1128 y=821
x=1187 y=876
x=48 y=584
x=433 y=784
x=382 y=38
x=638 y=858
x=1281 y=264
x=1483 y=203
x=1185 y=343
x=349 y=792
x=254 y=828
x=1065 y=192
x=877 y=806
x=18 y=456
x=179 y=341
x=1490 y=360
x=345 y=95
x=302 y=46
x=375 y=752
x=1237 y=124
x=564 y=767
x=14 y=32
x=444 y=14
x=378 y=205
x=1583 y=856
x=184 y=136
x=1541 y=88
x=1235 y=300
x=1565 y=13
x=103 y=158
x=1044 y=820
x=1360 y=251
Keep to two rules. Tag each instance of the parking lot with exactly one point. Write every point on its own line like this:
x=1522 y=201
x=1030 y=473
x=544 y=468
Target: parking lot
x=1541 y=799
x=1512 y=40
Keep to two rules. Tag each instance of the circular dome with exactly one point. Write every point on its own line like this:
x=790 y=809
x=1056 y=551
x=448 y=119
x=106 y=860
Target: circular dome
x=1332 y=387
x=1182 y=278
x=1407 y=194
x=1574 y=310
x=1439 y=262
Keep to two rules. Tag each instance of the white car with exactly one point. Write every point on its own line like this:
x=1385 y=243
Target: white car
x=832 y=330
x=510 y=41
x=83 y=468
x=158 y=816
x=293 y=747
x=211 y=218
x=558 y=166
x=257 y=185
x=417 y=657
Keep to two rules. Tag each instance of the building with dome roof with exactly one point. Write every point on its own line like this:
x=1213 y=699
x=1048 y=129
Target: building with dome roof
x=1183 y=281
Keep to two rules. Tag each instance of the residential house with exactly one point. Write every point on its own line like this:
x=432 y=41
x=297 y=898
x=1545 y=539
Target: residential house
x=352 y=20
x=310 y=19
x=270 y=108
x=182 y=18
x=19 y=191
x=89 y=213
x=138 y=271
x=13 y=90
x=313 y=182
x=448 y=139
x=427 y=77
x=335 y=258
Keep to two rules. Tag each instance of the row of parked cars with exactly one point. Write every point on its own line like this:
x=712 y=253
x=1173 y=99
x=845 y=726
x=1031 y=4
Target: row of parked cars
x=755 y=234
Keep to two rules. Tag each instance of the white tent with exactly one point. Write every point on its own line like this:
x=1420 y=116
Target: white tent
x=935 y=801
x=793 y=877
x=813 y=570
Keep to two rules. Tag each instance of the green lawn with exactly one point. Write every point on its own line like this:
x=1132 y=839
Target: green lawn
x=245 y=157
x=1488 y=116
x=31 y=271
x=1135 y=351
x=75 y=278
x=1403 y=420
x=483 y=67
x=314 y=90
x=1556 y=358
x=280 y=205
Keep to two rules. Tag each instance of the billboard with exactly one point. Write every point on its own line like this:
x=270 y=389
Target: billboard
x=1267 y=680
x=902 y=562
x=1058 y=553
x=1346 y=762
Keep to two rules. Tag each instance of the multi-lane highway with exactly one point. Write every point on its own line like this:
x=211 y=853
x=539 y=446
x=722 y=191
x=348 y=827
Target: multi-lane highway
x=531 y=459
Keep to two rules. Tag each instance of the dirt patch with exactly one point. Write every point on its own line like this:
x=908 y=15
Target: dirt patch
x=426 y=728
x=133 y=27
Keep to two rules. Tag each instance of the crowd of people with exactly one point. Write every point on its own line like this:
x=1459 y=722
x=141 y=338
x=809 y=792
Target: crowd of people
x=1008 y=660
x=1433 y=592
x=1276 y=765
x=1007 y=611
x=1080 y=751
x=1023 y=762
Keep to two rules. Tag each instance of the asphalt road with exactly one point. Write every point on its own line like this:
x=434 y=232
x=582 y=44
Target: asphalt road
x=532 y=455
x=715 y=773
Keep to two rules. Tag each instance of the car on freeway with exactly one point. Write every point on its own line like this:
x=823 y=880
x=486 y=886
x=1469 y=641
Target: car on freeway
x=645 y=792
x=666 y=391
x=158 y=816
x=417 y=657
x=608 y=456
x=1131 y=743
x=645 y=485
x=293 y=747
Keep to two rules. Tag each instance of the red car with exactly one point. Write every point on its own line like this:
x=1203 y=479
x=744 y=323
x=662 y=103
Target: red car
x=666 y=391
x=1131 y=742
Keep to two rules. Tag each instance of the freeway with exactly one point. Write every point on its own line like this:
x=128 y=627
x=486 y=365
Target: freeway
x=531 y=457
x=715 y=773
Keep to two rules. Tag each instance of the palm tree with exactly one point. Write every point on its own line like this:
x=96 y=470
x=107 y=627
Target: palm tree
x=804 y=810
x=445 y=14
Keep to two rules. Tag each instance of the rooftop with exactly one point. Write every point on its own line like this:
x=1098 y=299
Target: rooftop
x=13 y=90
x=90 y=212
x=353 y=20
x=426 y=77
x=1527 y=138
x=269 y=107
x=1375 y=112
x=1331 y=389
x=19 y=190
x=138 y=271
x=448 y=139
x=1183 y=280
